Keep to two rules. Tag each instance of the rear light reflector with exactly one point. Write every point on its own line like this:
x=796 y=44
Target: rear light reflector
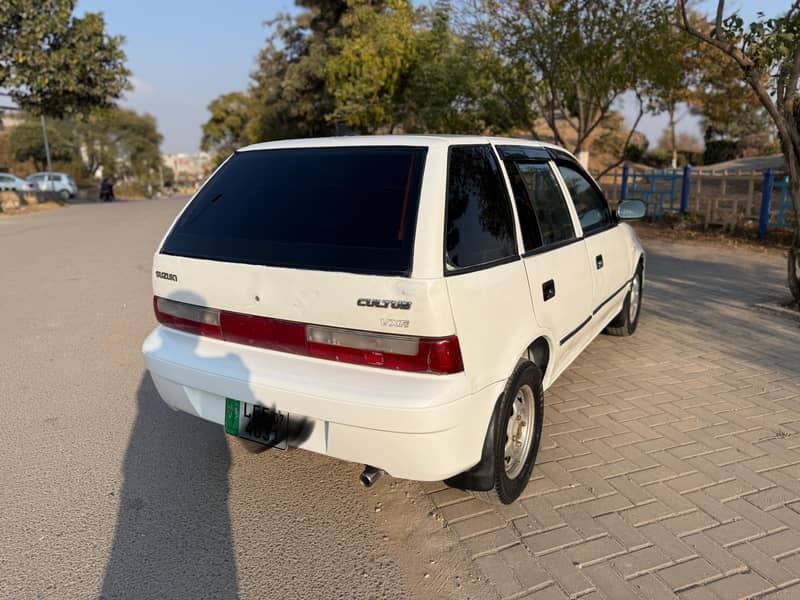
x=362 y=340
x=399 y=352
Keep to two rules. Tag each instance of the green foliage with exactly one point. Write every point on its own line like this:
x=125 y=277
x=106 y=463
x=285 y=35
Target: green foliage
x=373 y=66
x=26 y=142
x=459 y=84
x=55 y=64
x=366 y=78
x=224 y=132
x=288 y=91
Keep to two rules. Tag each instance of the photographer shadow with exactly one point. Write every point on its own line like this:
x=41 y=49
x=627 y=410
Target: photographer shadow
x=173 y=535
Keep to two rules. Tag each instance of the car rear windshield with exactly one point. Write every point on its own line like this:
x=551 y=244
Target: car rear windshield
x=334 y=209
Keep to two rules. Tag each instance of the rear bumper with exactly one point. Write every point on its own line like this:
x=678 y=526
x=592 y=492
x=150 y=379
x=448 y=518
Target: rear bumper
x=414 y=426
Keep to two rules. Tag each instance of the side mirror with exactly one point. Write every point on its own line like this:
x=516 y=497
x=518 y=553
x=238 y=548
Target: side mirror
x=631 y=210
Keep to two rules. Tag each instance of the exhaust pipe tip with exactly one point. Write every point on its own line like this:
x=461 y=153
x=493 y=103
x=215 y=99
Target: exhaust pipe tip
x=369 y=476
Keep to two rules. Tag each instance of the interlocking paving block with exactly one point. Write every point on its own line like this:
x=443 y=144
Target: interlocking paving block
x=689 y=573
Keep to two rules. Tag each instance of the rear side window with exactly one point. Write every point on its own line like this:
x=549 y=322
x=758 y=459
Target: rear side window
x=543 y=212
x=335 y=209
x=480 y=226
x=590 y=204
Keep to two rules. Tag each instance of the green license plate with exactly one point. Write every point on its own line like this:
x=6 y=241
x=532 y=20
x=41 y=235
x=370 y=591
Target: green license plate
x=257 y=423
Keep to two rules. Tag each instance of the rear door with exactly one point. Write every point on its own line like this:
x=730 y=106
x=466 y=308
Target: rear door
x=485 y=277
x=555 y=258
x=608 y=252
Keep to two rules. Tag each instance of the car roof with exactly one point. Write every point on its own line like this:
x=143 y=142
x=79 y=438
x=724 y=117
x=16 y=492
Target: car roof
x=395 y=140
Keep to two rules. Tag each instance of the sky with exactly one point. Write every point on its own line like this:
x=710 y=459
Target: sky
x=184 y=54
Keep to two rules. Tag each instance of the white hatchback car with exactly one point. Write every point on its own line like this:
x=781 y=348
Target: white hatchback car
x=397 y=301
x=60 y=183
x=9 y=182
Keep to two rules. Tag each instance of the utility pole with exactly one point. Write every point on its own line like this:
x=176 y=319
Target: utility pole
x=46 y=146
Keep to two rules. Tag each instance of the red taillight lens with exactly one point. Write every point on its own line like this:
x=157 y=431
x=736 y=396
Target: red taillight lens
x=273 y=334
x=399 y=352
x=444 y=355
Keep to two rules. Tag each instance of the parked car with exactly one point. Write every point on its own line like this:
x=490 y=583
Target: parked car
x=398 y=301
x=9 y=182
x=61 y=183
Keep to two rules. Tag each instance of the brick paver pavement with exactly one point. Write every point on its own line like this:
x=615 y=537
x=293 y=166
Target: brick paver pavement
x=670 y=461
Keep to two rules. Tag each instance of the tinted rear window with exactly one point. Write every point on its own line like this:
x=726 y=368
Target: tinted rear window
x=340 y=209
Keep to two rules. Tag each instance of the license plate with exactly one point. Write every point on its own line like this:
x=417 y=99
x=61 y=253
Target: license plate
x=257 y=423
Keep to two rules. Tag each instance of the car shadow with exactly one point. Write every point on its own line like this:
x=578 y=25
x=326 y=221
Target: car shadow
x=173 y=534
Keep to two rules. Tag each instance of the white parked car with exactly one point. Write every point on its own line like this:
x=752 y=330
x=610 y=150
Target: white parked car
x=60 y=183
x=12 y=183
x=397 y=301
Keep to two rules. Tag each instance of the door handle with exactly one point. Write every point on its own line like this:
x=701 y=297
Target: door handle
x=598 y=260
x=548 y=289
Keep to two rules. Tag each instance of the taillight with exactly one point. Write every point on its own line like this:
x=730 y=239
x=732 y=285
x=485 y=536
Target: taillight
x=273 y=334
x=399 y=352
x=188 y=317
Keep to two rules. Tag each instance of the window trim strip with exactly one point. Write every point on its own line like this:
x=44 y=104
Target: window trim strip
x=482 y=266
x=549 y=247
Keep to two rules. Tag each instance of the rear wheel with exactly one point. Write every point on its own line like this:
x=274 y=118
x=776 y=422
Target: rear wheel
x=624 y=324
x=512 y=441
x=64 y=194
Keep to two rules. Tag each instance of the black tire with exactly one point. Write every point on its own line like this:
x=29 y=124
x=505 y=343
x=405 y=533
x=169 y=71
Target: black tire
x=624 y=324
x=491 y=479
x=64 y=195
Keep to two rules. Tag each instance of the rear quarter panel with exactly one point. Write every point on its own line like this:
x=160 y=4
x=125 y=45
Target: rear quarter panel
x=494 y=320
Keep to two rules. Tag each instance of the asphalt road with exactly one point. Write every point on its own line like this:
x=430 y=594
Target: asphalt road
x=106 y=493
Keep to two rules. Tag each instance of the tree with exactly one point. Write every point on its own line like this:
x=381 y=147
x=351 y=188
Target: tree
x=460 y=84
x=732 y=115
x=366 y=77
x=120 y=141
x=225 y=131
x=767 y=52
x=585 y=54
x=52 y=63
x=289 y=93
x=680 y=141
x=673 y=83
x=25 y=142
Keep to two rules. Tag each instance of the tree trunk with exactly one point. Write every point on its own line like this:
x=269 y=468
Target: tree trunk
x=794 y=266
x=793 y=258
x=672 y=137
x=792 y=158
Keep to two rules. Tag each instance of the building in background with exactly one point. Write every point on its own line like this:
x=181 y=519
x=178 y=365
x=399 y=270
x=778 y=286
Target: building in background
x=9 y=119
x=188 y=168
